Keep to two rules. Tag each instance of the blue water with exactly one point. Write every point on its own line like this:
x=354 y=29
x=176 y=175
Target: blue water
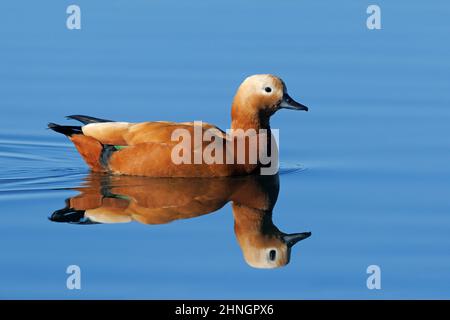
x=373 y=151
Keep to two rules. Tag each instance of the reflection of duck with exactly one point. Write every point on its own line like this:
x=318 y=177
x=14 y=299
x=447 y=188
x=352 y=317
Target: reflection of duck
x=119 y=199
x=147 y=148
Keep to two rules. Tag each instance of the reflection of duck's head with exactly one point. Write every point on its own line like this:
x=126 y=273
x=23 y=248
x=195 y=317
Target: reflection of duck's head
x=262 y=243
x=120 y=199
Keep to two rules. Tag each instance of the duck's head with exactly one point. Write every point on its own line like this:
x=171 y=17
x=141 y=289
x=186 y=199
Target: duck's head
x=260 y=96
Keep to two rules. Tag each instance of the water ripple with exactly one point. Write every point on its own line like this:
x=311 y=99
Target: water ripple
x=35 y=166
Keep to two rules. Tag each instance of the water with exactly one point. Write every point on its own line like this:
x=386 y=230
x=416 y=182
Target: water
x=373 y=150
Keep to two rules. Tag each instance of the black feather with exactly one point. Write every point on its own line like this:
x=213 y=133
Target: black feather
x=87 y=119
x=66 y=130
x=70 y=215
x=106 y=153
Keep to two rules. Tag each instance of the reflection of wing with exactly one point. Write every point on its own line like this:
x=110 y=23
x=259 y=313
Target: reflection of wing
x=173 y=200
x=128 y=134
x=111 y=199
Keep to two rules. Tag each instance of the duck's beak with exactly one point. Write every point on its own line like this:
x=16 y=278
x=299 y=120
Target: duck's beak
x=289 y=103
x=293 y=238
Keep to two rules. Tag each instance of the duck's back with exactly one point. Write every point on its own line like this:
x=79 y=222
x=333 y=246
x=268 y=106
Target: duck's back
x=129 y=134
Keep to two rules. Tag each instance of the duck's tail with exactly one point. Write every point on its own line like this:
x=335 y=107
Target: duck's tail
x=71 y=130
x=65 y=130
x=94 y=153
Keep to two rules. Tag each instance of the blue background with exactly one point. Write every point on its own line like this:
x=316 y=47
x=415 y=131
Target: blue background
x=375 y=145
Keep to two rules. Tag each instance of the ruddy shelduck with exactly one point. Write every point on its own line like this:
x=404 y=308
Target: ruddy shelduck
x=107 y=199
x=146 y=149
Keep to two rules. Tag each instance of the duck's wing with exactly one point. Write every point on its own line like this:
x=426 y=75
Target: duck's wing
x=155 y=159
x=129 y=134
x=112 y=133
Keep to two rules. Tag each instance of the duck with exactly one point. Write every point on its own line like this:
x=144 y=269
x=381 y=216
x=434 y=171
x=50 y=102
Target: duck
x=148 y=148
x=114 y=199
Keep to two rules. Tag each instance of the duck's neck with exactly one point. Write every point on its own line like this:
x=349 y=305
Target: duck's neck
x=246 y=124
x=248 y=120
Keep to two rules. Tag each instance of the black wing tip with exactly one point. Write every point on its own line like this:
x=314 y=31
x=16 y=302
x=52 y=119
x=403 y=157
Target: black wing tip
x=86 y=119
x=66 y=130
x=70 y=215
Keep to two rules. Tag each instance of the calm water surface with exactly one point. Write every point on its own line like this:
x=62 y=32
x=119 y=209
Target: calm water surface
x=367 y=170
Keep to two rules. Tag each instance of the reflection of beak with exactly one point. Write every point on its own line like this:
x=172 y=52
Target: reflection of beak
x=289 y=103
x=293 y=238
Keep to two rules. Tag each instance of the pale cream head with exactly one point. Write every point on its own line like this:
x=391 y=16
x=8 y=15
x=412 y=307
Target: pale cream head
x=262 y=95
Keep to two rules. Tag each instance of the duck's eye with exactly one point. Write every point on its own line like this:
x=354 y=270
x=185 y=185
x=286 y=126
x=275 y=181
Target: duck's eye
x=268 y=89
x=272 y=255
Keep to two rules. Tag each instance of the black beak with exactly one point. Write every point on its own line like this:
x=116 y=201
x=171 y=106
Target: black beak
x=293 y=238
x=289 y=103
